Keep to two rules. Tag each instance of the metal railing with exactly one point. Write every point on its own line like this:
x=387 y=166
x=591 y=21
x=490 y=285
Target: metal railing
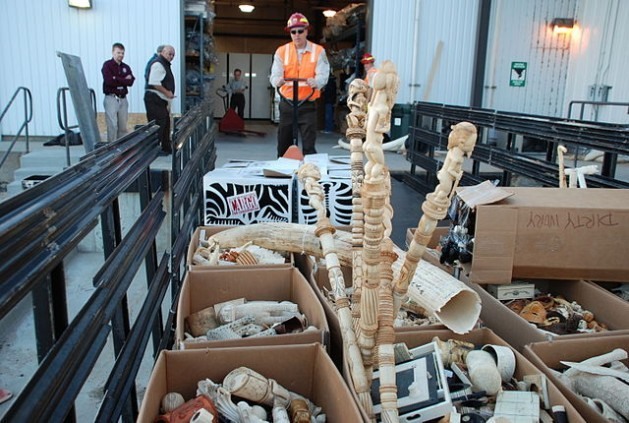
x=41 y=228
x=596 y=105
x=62 y=116
x=28 y=116
x=430 y=125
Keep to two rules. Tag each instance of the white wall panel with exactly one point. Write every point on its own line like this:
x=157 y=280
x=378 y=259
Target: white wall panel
x=521 y=32
x=392 y=39
x=32 y=31
x=598 y=57
x=409 y=33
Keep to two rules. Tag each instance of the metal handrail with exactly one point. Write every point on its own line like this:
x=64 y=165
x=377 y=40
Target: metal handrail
x=609 y=161
x=62 y=119
x=428 y=133
x=28 y=116
x=596 y=104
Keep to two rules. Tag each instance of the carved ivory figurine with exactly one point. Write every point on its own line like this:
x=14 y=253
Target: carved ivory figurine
x=357 y=104
x=385 y=86
x=461 y=142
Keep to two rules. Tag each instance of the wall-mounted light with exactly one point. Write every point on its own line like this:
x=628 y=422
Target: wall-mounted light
x=329 y=13
x=562 y=25
x=246 y=8
x=80 y=4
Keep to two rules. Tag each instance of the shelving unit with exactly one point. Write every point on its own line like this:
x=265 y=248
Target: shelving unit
x=345 y=48
x=198 y=52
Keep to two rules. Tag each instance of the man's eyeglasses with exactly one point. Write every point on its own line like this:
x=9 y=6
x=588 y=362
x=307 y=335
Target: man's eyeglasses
x=297 y=31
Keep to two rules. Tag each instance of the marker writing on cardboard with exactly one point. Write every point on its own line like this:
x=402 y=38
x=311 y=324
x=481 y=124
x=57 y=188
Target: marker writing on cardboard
x=572 y=221
x=593 y=220
x=543 y=220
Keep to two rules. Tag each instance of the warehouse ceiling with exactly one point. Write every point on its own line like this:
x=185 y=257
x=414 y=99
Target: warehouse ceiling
x=269 y=16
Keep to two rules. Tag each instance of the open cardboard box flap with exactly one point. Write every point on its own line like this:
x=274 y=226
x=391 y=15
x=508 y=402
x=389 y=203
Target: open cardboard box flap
x=553 y=233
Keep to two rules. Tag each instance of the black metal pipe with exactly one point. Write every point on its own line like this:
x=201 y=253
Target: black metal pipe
x=122 y=377
x=61 y=375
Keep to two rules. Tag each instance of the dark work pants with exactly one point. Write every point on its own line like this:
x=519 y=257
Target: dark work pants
x=307 y=120
x=157 y=110
x=237 y=103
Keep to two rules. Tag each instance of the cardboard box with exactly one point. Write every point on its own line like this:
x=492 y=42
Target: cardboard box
x=235 y=196
x=618 y=289
x=480 y=337
x=207 y=287
x=552 y=233
x=318 y=278
x=432 y=254
x=209 y=231
x=304 y=369
x=440 y=231
x=547 y=355
x=606 y=307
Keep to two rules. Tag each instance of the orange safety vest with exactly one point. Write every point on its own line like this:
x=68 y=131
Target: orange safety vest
x=303 y=70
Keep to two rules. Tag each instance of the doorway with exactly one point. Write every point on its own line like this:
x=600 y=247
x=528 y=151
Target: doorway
x=256 y=69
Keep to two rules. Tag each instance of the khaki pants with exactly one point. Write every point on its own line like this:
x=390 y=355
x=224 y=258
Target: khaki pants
x=116 y=116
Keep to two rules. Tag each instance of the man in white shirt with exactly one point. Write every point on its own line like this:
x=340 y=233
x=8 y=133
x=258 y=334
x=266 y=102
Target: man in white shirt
x=160 y=90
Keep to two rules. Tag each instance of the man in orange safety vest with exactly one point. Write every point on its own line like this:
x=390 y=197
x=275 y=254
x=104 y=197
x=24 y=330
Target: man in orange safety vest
x=368 y=62
x=304 y=60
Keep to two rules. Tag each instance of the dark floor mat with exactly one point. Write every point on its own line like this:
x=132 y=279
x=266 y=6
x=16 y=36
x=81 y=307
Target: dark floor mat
x=74 y=138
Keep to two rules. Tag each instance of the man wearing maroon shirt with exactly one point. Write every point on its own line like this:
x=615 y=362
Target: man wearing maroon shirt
x=117 y=76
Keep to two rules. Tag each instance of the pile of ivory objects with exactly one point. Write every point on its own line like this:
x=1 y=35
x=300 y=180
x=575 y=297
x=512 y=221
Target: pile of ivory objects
x=244 y=396
x=383 y=275
x=244 y=319
x=603 y=381
x=209 y=253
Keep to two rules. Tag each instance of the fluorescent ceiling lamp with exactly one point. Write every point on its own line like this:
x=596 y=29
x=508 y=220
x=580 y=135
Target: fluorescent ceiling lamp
x=247 y=8
x=329 y=13
x=81 y=4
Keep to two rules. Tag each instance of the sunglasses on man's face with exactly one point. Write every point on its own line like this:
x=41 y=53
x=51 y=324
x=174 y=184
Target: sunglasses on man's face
x=297 y=31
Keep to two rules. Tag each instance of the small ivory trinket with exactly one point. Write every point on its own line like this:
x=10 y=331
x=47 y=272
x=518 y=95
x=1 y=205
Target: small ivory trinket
x=202 y=416
x=171 y=400
x=483 y=372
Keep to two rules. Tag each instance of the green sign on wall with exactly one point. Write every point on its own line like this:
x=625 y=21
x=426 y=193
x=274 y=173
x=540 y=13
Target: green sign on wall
x=518 y=74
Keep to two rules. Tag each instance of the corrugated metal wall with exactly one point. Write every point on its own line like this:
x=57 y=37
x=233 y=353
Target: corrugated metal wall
x=409 y=32
x=598 y=58
x=32 y=31
x=521 y=32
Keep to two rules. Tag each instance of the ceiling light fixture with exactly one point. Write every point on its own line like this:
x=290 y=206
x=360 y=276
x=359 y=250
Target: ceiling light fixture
x=246 y=8
x=562 y=25
x=329 y=13
x=80 y=4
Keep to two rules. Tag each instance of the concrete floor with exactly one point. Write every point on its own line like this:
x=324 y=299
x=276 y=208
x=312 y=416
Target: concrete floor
x=17 y=344
x=18 y=354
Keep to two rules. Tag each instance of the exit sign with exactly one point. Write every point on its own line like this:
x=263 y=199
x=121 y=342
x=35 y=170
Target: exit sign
x=518 y=74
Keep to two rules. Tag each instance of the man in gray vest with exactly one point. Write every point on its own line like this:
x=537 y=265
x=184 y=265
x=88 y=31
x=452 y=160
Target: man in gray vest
x=160 y=90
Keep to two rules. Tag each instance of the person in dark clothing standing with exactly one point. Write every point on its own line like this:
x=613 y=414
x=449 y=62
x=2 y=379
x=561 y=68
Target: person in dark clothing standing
x=117 y=77
x=147 y=68
x=160 y=90
x=236 y=88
